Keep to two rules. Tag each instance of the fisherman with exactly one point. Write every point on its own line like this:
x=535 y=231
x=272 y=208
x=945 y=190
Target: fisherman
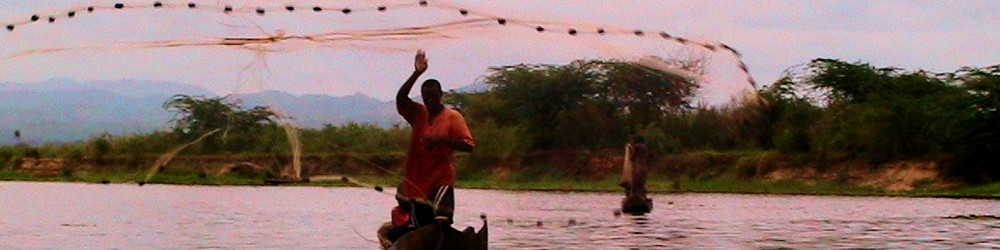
x=437 y=131
x=636 y=167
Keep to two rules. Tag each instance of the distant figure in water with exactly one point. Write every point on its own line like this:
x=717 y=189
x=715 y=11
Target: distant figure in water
x=635 y=170
x=437 y=131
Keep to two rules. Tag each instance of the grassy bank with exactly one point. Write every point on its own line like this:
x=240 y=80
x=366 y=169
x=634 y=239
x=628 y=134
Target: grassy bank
x=177 y=178
x=725 y=183
x=731 y=184
x=754 y=172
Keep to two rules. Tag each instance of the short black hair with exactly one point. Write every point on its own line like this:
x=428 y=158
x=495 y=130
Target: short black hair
x=432 y=82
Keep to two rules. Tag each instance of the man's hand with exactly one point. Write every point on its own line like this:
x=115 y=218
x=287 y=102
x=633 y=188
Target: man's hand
x=457 y=144
x=420 y=62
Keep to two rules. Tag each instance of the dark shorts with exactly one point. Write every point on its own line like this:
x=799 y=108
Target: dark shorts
x=442 y=204
x=422 y=214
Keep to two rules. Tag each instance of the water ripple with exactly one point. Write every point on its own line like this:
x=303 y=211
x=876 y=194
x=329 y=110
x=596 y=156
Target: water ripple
x=66 y=215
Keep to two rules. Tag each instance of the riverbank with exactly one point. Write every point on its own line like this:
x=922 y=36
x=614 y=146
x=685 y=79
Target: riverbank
x=754 y=172
x=721 y=184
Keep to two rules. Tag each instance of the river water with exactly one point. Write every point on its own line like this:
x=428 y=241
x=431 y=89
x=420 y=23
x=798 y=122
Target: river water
x=119 y=216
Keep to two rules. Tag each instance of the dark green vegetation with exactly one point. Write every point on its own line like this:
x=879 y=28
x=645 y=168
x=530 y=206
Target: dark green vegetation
x=563 y=127
x=883 y=114
x=829 y=108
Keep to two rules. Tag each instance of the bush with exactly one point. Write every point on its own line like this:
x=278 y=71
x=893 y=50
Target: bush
x=100 y=147
x=495 y=144
x=746 y=167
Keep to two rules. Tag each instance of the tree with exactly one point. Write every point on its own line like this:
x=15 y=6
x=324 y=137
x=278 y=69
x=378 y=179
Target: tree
x=978 y=144
x=240 y=128
x=645 y=94
x=848 y=82
x=530 y=96
x=882 y=113
x=584 y=104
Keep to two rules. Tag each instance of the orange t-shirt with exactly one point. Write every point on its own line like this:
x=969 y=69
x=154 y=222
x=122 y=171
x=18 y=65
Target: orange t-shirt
x=430 y=167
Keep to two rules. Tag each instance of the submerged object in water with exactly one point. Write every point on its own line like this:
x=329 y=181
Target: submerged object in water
x=637 y=205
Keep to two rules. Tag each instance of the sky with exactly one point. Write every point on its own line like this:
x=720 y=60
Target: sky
x=773 y=36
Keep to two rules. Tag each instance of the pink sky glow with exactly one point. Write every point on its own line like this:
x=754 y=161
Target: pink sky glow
x=772 y=35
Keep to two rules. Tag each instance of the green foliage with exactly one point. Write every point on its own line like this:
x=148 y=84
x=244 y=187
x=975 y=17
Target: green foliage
x=9 y=155
x=357 y=138
x=848 y=82
x=195 y=116
x=782 y=119
x=540 y=97
x=696 y=130
x=540 y=172
x=497 y=144
x=139 y=145
x=830 y=107
x=881 y=114
x=646 y=95
x=100 y=147
x=661 y=140
x=978 y=135
x=580 y=106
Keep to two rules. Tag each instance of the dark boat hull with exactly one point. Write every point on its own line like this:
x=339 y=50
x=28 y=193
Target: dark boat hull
x=438 y=236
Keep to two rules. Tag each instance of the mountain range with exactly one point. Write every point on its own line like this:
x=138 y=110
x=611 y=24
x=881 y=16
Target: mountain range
x=65 y=110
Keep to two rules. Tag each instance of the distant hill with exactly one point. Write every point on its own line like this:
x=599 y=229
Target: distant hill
x=477 y=87
x=314 y=111
x=63 y=110
x=127 y=88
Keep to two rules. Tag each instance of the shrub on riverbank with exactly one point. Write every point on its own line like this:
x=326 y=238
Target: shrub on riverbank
x=568 y=119
x=826 y=108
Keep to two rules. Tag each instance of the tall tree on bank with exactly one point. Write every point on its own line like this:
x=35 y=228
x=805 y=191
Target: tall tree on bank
x=883 y=114
x=979 y=134
x=584 y=104
x=241 y=129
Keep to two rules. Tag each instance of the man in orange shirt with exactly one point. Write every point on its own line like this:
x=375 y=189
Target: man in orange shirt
x=437 y=131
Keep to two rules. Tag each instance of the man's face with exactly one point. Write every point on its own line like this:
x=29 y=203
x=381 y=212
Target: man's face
x=430 y=93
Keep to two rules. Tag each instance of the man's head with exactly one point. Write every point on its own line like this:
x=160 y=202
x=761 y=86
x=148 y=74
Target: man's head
x=430 y=90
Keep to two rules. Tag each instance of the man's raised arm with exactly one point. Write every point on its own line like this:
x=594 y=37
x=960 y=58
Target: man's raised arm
x=403 y=102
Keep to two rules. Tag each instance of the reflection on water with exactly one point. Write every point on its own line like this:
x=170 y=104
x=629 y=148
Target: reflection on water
x=65 y=215
x=717 y=221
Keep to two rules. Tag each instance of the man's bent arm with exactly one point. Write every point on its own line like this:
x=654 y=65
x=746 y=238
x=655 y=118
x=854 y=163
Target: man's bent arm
x=459 y=144
x=461 y=137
